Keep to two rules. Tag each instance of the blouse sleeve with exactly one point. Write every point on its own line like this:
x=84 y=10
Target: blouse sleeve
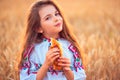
x=77 y=68
x=29 y=66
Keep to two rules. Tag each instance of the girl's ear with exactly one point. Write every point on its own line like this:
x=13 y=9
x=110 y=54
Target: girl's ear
x=39 y=30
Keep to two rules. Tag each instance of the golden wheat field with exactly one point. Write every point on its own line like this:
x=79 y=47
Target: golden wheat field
x=96 y=24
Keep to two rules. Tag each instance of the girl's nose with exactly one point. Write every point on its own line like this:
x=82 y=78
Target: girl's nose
x=56 y=18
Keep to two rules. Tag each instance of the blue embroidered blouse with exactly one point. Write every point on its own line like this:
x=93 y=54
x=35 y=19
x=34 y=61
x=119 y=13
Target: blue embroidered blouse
x=34 y=57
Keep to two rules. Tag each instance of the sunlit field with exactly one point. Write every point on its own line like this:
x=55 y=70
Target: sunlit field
x=96 y=24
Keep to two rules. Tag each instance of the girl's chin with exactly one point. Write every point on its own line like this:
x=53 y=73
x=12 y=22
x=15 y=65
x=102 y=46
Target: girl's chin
x=57 y=32
x=60 y=30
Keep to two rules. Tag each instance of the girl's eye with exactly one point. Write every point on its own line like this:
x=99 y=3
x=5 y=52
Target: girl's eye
x=57 y=14
x=47 y=18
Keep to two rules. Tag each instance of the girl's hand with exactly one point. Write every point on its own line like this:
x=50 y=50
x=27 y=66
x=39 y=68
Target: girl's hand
x=51 y=56
x=65 y=63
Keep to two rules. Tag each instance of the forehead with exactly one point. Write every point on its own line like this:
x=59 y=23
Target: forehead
x=47 y=9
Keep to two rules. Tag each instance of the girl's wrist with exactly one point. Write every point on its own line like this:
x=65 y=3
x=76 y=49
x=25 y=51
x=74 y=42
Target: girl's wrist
x=46 y=65
x=66 y=69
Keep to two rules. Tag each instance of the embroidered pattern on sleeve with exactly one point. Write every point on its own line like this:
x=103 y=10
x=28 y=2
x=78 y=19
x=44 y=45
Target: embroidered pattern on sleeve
x=77 y=61
x=26 y=63
x=36 y=67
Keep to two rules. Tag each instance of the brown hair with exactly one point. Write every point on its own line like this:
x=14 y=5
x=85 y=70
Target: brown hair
x=33 y=23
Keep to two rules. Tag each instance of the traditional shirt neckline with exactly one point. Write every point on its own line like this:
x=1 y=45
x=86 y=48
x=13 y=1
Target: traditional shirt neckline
x=44 y=38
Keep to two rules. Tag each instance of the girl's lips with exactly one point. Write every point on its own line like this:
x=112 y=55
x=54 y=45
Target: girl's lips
x=58 y=24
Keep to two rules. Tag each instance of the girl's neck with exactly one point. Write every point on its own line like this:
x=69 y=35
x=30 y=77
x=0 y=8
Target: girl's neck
x=51 y=36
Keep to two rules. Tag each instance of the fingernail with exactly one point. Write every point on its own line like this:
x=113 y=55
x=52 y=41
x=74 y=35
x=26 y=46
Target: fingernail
x=58 y=59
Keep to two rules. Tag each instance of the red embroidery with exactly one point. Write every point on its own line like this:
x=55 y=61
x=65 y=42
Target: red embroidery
x=27 y=53
x=52 y=70
x=34 y=72
x=72 y=48
x=77 y=63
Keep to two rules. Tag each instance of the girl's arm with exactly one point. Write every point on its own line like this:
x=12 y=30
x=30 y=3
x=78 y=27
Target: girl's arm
x=69 y=74
x=42 y=72
x=66 y=68
x=51 y=56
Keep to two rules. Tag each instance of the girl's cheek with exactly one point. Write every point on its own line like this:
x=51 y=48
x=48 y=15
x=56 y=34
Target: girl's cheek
x=61 y=18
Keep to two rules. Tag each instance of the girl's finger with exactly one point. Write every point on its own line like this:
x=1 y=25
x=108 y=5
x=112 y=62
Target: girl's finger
x=54 y=49
x=54 y=58
x=64 y=60
x=66 y=68
x=53 y=54
x=64 y=65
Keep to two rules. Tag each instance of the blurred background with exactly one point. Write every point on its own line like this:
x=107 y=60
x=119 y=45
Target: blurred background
x=96 y=24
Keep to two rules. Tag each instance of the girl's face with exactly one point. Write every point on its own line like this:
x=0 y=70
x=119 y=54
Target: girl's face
x=51 y=21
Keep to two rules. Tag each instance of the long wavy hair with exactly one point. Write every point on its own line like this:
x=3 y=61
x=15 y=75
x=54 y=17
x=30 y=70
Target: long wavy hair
x=33 y=23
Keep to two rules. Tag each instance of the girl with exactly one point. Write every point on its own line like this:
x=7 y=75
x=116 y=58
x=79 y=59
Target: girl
x=46 y=21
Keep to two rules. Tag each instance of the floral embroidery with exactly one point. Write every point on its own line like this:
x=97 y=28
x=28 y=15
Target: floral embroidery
x=52 y=70
x=37 y=66
x=26 y=63
x=77 y=61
